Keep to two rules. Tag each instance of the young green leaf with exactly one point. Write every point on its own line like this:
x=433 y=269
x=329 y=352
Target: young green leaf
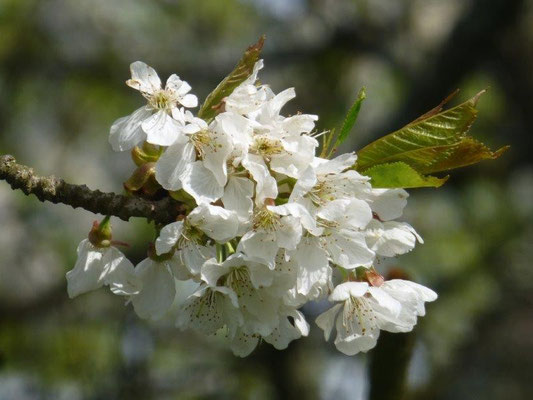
x=351 y=117
x=467 y=152
x=437 y=141
x=242 y=70
x=400 y=175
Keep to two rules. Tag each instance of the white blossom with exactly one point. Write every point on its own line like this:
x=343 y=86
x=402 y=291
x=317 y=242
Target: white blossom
x=265 y=225
x=98 y=266
x=154 y=122
x=343 y=236
x=363 y=310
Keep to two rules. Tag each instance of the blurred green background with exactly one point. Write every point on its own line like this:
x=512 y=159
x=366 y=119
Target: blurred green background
x=63 y=64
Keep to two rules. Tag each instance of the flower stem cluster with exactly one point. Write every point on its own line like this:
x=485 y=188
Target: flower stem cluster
x=267 y=224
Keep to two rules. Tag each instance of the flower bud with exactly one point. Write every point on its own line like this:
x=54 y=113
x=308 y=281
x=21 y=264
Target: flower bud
x=143 y=180
x=100 y=233
x=149 y=153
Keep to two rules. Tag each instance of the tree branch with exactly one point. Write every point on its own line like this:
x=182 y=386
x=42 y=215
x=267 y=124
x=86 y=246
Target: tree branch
x=56 y=190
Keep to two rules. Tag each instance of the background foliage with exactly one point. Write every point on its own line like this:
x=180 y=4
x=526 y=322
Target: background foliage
x=62 y=68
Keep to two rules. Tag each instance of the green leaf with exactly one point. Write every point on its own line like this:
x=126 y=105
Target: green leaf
x=467 y=152
x=400 y=175
x=351 y=117
x=242 y=70
x=437 y=141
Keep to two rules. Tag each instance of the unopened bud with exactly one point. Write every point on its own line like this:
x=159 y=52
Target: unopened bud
x=100 y=233
x=149 y=153
x=141 y=177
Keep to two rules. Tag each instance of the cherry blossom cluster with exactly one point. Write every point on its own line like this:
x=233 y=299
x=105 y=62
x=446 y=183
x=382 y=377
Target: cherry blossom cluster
x=268 y=226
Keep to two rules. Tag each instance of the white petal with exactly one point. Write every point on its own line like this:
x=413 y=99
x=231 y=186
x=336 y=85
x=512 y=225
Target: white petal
x=334 y=210
x=237 y=127
x=162 y=129
x=326 y=320
x=260 y=275
x=177 y=86
x=337 y=165
x=158 y=289
x=126 y=132
x=216 y=155
x=189 y=101
x=299 y=322
x=391 y=237
x=195 y=255
x=313 y=266
x=358 y=214
x=289 y=233
x=119 y=273
x=253 y=76
x=260 y=247
x=345 y=290
x=351 y=344
x=242 y=345
x=299 y=123
x=286 y=332
x=298 y=211
x=208 y=310
x=299 y=152
x=351 y=214
x=85 y=276
x=212 y=271
x=168 y=237
x=238 y=197
x=174 y=165
x=266 y=184
x=388 y=203
x=183 y=118
x=385 y=300
x=216 y=222
x=276 y=104
x=348 y=249
x=144 y=78
x=201 y=184
x=304 y=184
x=424 y=293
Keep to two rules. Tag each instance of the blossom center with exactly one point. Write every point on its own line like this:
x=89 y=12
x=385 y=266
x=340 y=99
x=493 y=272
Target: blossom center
x=266 y=146
x=203 y=139
x=359 y=312
x=321 y=193
x=266 y=220
x=239 y=280
x=190 y=234
x=161 y=100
